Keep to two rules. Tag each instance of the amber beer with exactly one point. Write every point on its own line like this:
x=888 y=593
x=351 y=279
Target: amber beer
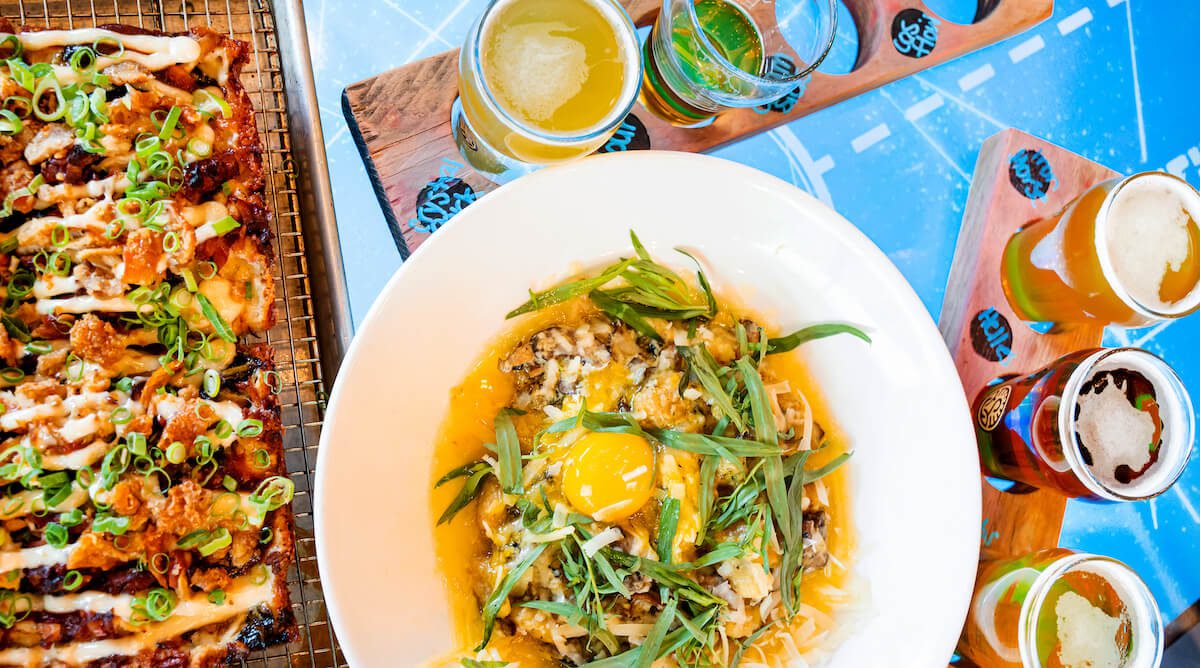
x=1107 y=425
x=1126 y=252
x=1061 y=609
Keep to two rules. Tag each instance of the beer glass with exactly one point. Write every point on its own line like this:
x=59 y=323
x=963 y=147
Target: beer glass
x=1106 y=425
x=543 y=81
x=1126 y=252
x=1061 y=608
x=705 y=56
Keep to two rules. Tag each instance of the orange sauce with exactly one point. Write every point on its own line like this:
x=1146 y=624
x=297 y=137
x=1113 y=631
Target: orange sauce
x=460 y=544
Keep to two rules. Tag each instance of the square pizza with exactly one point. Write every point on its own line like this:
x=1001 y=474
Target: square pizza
x=144 y=503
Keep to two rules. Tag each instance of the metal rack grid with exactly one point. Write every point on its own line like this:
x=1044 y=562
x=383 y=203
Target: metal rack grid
x=294 y=338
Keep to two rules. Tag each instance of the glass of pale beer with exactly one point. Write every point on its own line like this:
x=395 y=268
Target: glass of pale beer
x=1126 y=252
x=542 y=82
x=1059 y=608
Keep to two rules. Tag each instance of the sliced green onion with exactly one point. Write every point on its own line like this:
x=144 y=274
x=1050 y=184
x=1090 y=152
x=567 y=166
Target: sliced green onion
x=168 y=126
x=214 y=317
x=249 y=428
x=11 y=374
x=157 y=605
x=38 y=347
x=189 y=280
x=119 y=46
x=136 y=442
x=145 y=145
x=108 y=523
x=262 y=459
x=121 y=415
x=223 y=429
x=176 y=453
x=229 y=483
x=22 y=74
x=198 y=148
x=208 y=102
x=170 y=242
x=114 y=229
x=60 y=103
x=273 y=493
x=13 y=43
x=212 y=385
x=216 y=596
x=218 y=539
x=59 y=264
x=72 y=580
x=207 y=270
x=226 y=224
x=56 y=535
x=60 y=236
x=11 y=123
x=82 y=60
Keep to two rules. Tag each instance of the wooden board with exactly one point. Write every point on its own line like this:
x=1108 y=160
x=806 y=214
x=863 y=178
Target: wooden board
x=401 y=119
x=1018 y=179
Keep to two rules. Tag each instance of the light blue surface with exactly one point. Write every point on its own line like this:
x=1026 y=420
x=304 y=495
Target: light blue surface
x=1114 y=80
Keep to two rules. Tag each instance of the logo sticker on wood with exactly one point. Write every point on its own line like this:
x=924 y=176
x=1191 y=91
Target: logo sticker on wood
x=991 y=335
x=630 y=136
x=914 y=33
x=1031 y=174
x=438 y=201
x=991 y=409
x=782 y=66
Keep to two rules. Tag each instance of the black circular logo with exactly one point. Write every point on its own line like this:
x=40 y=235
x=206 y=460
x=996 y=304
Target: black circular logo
x=1030 y=173
x=991 y=336
x=438 y=201
x=631 y=135
x=780 y=66
x=914 y=33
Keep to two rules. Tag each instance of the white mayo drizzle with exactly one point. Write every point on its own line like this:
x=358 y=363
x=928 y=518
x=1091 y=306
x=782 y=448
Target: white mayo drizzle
x=153 y=52
x=191 y=614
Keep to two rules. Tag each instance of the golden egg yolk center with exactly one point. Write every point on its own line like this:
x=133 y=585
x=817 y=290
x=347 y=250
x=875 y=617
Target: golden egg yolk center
x=609 y=476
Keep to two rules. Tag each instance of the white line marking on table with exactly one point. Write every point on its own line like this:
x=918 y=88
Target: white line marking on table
x=824 y=164
x=870 y=138
x=437 y=32
x=923 y=108
x=1194 y=154
x=1075 y=21
x=1177 y=165
x=1027 y=48
x=962 y=103
x=1155 y=331
x=1187 y=503
x=415 y=20
x=803 y=167
x=1114 y=3
x=1154 y=513
x=933 y=144
x=1137 y=87
x=976 y=78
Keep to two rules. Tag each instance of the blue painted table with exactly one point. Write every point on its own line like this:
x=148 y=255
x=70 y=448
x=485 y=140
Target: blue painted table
x=1113 y=80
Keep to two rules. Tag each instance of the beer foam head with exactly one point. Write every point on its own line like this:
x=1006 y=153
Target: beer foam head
x=535 y=62
x=538 y=67
x=1121 y=445
x=1149 y=228
x=1087 y=637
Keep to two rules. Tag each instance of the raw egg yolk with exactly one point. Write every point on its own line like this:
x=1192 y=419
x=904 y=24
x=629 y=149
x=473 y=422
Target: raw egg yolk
x=609 y=476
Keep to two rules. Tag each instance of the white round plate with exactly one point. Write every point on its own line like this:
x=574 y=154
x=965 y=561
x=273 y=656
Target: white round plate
x=915 y=471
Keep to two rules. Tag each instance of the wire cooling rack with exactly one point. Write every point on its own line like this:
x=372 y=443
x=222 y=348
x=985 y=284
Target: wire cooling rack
x=295 y=338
